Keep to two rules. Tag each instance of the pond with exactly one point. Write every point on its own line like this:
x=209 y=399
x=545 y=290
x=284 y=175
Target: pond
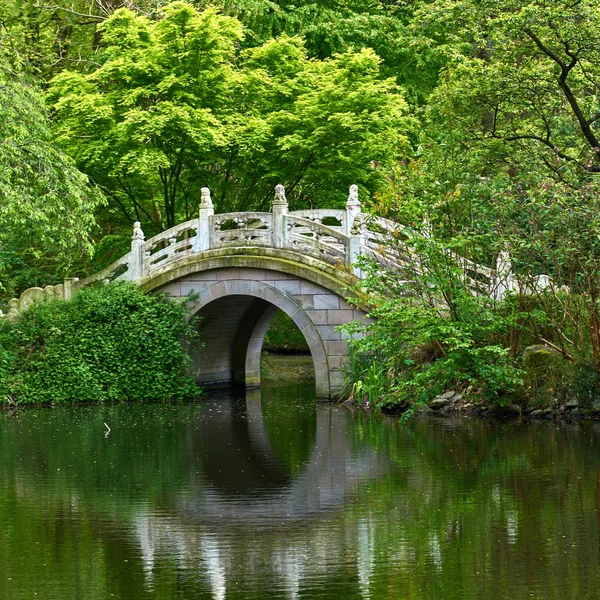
x=271 y=495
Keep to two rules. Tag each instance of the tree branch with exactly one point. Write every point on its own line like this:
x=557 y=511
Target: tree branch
x=565 y=69
x=71 y=12
x=547 y=143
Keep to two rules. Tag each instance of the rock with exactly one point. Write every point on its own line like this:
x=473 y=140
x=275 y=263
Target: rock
x=539 y=357
x=537 y=413
x=510 y=409
x=548 y=413
x=572 y=404
x=443 y=400
x=422 y=409
x=439 y=403
x=596 y=406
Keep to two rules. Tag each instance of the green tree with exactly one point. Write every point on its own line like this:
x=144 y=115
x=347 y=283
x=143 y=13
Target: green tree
x=525 y=79
x=173 y=108
x=46 y=205
x=333 y=26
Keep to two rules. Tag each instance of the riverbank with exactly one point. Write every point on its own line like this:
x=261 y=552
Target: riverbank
x=454 y=403
x=283 y=366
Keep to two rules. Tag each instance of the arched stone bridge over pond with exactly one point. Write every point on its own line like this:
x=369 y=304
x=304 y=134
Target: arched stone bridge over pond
x=242 y=268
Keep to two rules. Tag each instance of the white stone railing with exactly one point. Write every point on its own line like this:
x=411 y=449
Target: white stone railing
x=303 y=231
x=335 y=236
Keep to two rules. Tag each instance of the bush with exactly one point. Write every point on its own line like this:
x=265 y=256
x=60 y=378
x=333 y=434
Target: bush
x=110 y=343
x=430 y=334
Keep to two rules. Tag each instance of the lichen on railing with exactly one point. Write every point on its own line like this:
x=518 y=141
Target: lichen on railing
x=242 y=229
x=304 y=235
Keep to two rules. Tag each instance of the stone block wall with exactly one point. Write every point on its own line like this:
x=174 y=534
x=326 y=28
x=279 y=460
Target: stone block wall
x=236 y=306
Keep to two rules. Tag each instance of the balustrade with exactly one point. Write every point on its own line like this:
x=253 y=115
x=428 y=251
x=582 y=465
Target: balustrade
x=335 y=236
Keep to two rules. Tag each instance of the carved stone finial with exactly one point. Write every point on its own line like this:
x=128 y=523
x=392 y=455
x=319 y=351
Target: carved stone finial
x=13 y=307
x=353 y=204
x=138 y=234
x=357 y=225
x=503 y=262
x=280 y=195
x=205 y=199
x=353 y=195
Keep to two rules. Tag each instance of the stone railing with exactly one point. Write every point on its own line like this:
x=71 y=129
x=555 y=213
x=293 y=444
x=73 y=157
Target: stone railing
x=336 y=236
x=323 y=233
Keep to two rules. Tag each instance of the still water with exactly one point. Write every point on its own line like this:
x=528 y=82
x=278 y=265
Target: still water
x=278 y=497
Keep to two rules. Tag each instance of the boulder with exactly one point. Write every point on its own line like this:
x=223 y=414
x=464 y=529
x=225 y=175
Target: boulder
x=540 y=357
x=444 y=400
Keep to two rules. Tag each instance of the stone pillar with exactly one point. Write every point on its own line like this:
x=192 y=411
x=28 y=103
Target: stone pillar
x=68 y=284
x=203 y=233
x=13 y=308
x=280 y=210
x=135 y=272
x=504 y=280
x=355 y=244
x=352 y=208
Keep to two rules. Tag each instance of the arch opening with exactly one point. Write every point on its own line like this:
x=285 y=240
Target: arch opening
x=232 y=330
x=285 y=357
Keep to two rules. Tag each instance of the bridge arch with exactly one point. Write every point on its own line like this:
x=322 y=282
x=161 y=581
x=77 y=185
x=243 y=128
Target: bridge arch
x=235 y=316
x=298 y=263
x=238 y=291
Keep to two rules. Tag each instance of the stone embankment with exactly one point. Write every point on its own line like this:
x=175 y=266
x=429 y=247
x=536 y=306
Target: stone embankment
x=455 y=403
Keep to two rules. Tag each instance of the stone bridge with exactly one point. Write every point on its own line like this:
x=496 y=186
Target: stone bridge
x=241 y=268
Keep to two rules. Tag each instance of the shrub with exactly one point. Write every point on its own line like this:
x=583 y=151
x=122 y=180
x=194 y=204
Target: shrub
x=110 y=343
x=431 y=333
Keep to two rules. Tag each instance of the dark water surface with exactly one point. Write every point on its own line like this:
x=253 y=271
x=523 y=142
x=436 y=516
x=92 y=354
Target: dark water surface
x=278 y=497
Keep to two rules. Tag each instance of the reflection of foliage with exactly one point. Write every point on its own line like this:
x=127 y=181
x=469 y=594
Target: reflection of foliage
x=447 y=509
x=284 y=336
x=482 y=506
x=290 y=420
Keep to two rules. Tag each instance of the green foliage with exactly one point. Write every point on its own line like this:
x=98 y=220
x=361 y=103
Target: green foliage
x=46 y=205
x=431 y=333
x=525 y=76
x=331 y=27
x=110 y=343
x=172 y=106
x=368 y=377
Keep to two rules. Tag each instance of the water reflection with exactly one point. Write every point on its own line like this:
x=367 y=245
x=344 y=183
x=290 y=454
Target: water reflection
x=278 y=497
x=261 y=471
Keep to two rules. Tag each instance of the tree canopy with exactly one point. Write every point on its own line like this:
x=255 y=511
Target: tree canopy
x=175 y=106
x=46 y=204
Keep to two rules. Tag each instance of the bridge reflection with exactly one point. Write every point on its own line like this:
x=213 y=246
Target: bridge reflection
x=260 y=501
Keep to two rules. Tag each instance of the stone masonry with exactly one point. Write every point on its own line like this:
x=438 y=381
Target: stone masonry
x=236 y=306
